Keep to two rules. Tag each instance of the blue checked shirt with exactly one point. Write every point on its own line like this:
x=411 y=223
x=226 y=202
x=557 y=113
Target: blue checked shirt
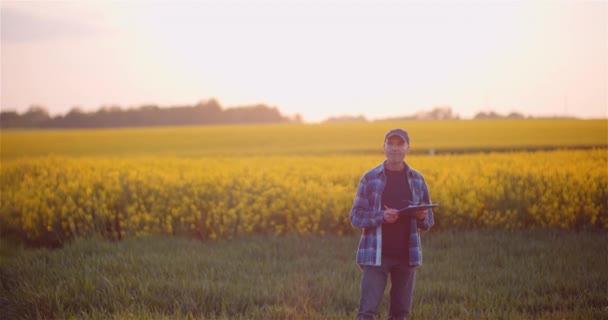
x=367 y=213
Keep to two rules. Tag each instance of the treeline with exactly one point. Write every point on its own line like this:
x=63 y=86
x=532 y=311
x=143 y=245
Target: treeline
x=204 y=113
x=446 y=113
x=439 y=113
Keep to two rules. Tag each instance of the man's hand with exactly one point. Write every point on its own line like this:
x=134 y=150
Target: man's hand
x=421 y=214
x=390 y=215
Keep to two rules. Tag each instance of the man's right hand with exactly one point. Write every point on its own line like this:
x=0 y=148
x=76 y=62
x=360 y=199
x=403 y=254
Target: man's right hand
x=390 y=215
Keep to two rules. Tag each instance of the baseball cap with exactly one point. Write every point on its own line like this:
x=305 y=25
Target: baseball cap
x=399 y=133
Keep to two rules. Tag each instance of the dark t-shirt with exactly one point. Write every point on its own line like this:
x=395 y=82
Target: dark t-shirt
x=396 y=194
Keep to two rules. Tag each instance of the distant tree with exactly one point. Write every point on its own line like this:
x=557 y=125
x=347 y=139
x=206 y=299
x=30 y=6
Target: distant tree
x=345 y=118
x=74 y=112
x=208 y=111
x=437 y=113
x=494 y=115
x=256 y=114
x=36 y=115
x=75 y=118
x=515 y=115
x=9 y=118
x=487 y=115
x=297 y=118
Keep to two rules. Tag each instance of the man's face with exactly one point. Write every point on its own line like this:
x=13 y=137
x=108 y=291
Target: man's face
x=395 y=149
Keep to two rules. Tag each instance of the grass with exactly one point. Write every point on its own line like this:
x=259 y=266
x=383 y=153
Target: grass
x=487 y=274
x=310 y=139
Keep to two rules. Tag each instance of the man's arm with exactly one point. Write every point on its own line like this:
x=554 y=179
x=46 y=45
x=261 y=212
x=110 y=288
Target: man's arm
x=428 y=221
x=361 y=214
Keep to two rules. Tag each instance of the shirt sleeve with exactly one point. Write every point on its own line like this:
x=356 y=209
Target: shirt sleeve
x=362 y=215
x=428 y=222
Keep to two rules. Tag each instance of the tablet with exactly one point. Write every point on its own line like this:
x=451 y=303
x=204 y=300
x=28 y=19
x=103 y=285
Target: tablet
x=415 y=207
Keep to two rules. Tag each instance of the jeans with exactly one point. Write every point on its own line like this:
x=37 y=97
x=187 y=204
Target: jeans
x=373 y=284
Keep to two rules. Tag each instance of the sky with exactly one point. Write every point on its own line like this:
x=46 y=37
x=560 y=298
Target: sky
x=314 y=58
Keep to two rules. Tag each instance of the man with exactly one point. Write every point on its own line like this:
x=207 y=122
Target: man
x=390 y=242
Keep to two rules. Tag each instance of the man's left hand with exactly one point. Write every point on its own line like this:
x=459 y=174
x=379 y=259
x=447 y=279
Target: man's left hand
x=421 y=214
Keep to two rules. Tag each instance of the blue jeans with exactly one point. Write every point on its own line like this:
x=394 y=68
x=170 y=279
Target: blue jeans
x=373 y=284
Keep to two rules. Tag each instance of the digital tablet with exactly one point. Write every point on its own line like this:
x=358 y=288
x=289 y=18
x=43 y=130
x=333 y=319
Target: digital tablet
x=415 y=207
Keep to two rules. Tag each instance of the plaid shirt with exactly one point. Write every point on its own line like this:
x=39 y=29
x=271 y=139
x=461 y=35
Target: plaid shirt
x=368 y=214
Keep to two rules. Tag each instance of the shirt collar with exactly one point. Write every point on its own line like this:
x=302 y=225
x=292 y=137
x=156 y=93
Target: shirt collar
x=382 y=168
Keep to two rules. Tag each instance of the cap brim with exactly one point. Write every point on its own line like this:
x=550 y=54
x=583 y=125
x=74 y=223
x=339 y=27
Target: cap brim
x=396 y=135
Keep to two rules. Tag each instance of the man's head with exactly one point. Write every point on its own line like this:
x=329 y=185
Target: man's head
x=396 y=146
x=398 y=133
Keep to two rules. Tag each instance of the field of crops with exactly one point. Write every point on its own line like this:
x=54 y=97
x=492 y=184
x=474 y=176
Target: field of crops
x=292 y=140
x=221 y=182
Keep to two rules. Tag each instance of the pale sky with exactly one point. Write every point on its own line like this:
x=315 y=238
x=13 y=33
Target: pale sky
x=315 y=58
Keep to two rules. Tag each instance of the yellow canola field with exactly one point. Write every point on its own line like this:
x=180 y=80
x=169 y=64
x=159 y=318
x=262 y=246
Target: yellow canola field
x=48 y=200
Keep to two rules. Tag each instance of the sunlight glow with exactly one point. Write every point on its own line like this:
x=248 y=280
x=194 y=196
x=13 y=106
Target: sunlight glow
x=318 y=59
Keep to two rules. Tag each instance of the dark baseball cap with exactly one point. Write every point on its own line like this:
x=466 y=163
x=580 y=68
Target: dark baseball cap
x=399 y=133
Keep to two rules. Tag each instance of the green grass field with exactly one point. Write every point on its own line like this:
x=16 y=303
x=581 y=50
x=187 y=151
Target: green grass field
x=322 y=139
x=490 y=274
